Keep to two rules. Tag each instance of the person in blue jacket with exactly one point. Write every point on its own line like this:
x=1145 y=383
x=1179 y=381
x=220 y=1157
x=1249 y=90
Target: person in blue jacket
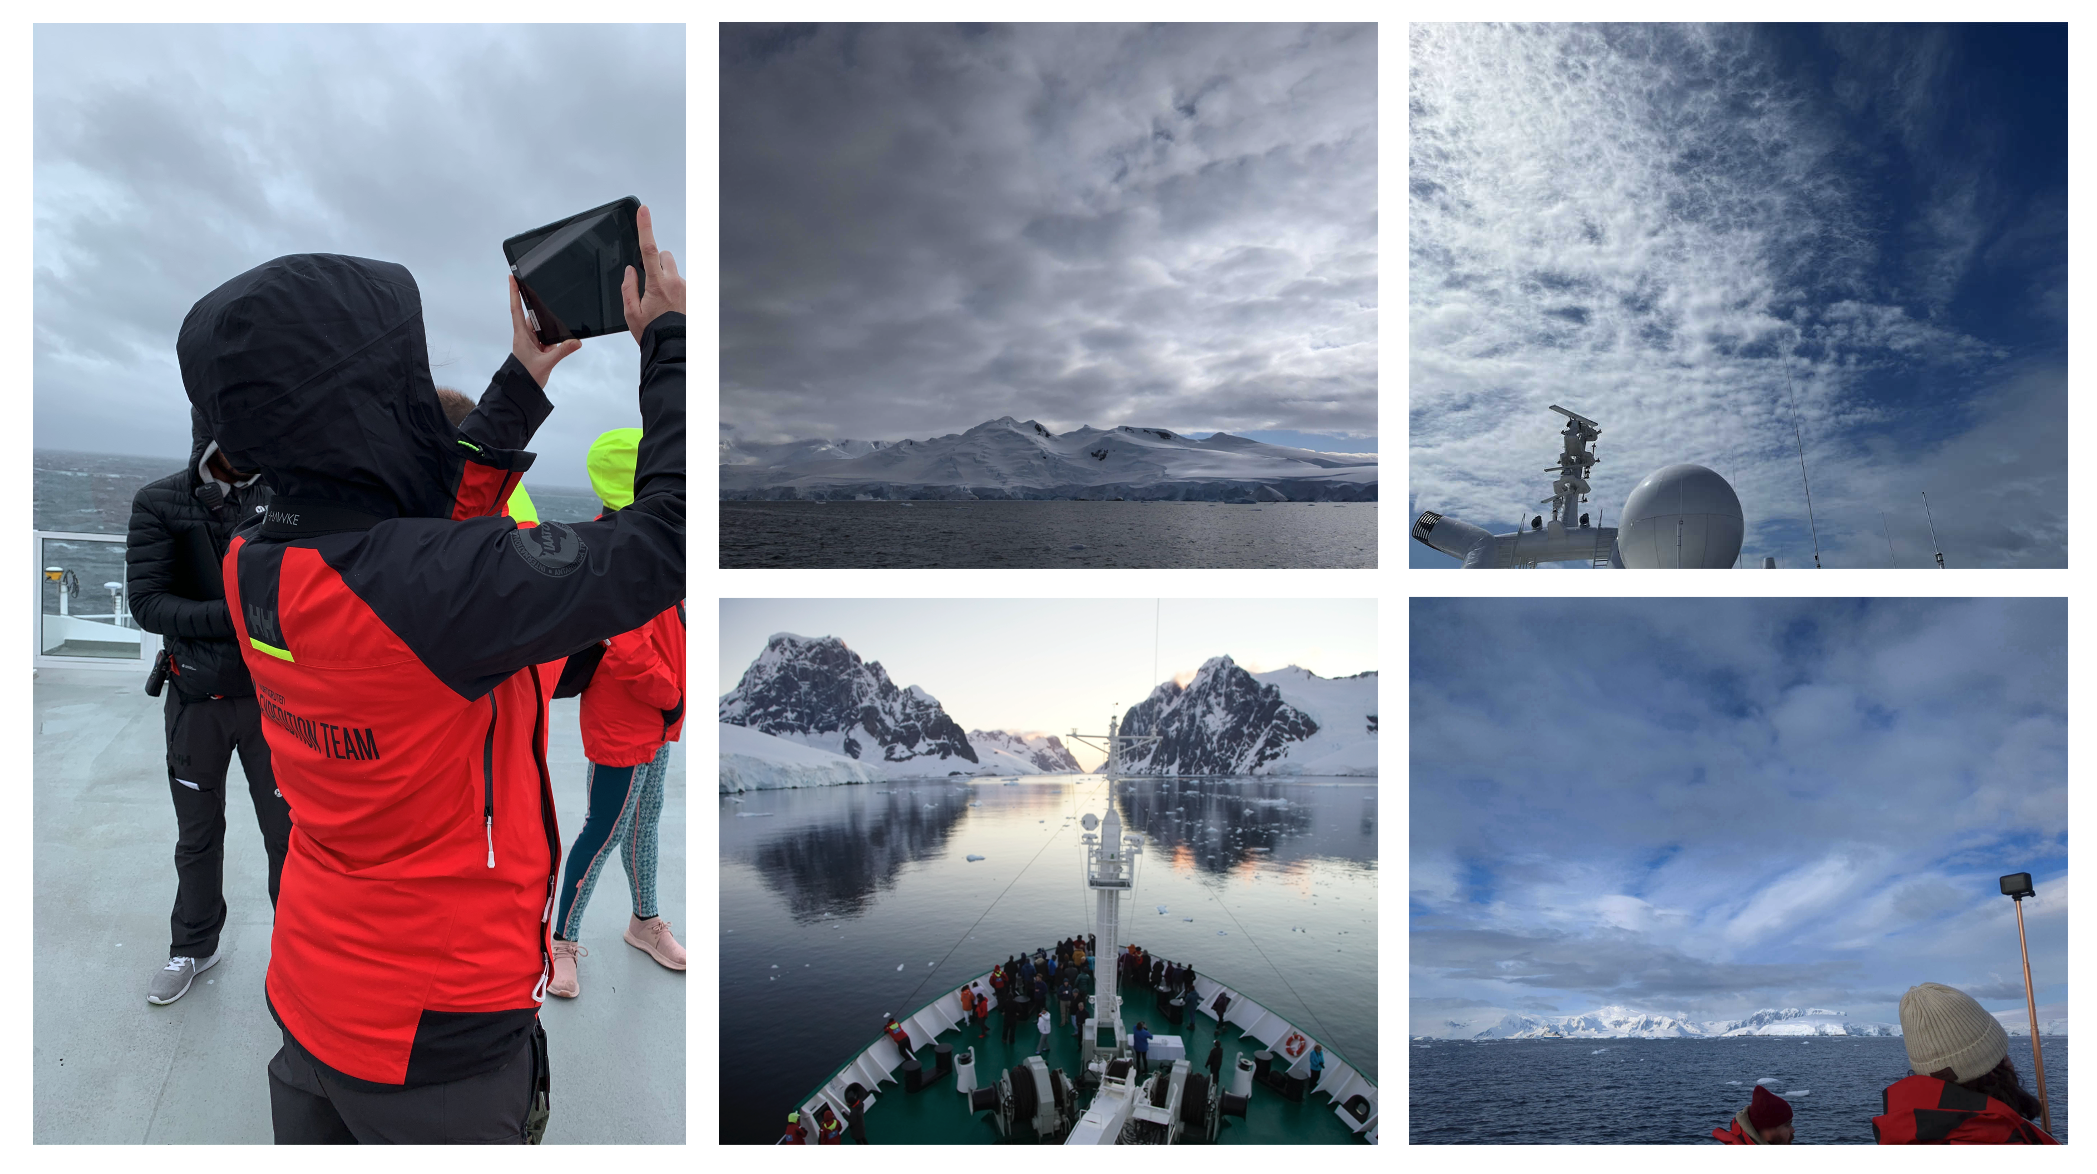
x=1140 y=1038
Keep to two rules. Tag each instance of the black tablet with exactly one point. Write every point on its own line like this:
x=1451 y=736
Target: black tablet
x=569 y=271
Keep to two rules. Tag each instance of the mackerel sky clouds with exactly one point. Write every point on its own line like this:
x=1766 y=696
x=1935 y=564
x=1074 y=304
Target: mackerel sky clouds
x=1712 y=806
x=169 y=159
x=1679 y=231
x=926 y=227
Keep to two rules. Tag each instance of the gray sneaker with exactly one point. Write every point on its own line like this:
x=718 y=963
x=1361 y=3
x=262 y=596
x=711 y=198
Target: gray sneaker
x=175 y=978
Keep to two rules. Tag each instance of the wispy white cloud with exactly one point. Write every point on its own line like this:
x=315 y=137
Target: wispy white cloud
x=1652 y=225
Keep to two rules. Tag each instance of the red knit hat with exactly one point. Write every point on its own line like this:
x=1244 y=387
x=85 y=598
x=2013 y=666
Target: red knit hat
x=1768 y=1110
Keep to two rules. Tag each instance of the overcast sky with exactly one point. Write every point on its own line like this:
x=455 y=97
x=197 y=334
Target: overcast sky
x=926 y=227
x=1046 y=665
x=1674 y=230
x=171 y=159
x=1713 y=806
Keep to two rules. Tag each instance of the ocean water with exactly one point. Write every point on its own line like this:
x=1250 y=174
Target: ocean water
x=826 y=892
x=90 y=493
x=1043 y=534
x=1666 y=1091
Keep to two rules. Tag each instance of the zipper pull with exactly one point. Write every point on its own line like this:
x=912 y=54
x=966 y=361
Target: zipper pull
x=491 y=841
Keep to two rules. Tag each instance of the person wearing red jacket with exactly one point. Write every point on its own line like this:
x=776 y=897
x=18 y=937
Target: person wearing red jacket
x=1766 y=1121
x=1965 y=1091
x=393 y=623
x=632 y=709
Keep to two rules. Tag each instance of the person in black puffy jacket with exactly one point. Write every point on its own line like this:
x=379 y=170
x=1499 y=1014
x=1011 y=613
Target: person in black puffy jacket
x=180 y=527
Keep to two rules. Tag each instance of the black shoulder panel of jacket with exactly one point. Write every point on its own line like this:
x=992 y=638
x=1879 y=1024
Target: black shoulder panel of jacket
x=510 y=411
x=478 y=599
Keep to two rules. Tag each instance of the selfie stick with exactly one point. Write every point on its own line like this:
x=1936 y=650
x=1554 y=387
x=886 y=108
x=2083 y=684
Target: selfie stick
x=2017 y=886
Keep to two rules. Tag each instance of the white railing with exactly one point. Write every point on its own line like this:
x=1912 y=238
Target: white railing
x=80 y=618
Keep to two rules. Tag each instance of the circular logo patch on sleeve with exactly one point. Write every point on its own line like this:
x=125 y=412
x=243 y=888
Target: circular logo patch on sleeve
x=551 y=548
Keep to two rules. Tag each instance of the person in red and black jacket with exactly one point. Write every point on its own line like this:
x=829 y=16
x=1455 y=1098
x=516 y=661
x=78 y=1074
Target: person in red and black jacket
x=1766 y=1121
x=632 y=709
x=393 y=624
x=1965 y=1091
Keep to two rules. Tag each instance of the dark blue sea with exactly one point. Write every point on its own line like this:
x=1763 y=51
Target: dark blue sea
x=1666 y=1091
x=1043 y=534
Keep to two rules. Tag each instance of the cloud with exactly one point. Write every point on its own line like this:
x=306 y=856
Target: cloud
x=171 y=159
x=1676 y=232
x=925 y=227
x=1733 y=803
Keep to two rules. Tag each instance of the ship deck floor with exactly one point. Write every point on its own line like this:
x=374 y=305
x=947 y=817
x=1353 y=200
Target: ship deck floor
x=937 y=1115
x=111 y=1067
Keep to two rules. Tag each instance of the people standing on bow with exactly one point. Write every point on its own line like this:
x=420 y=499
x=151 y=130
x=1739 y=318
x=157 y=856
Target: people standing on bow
x=181 y=526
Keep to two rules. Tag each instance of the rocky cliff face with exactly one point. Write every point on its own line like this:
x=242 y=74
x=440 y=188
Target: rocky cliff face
x=1224 y=722
x=816 y=691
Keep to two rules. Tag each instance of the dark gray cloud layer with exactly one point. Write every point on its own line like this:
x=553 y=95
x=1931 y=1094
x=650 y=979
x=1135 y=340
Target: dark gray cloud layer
x=170 y=159
x=928 y=227
x=1714 y=805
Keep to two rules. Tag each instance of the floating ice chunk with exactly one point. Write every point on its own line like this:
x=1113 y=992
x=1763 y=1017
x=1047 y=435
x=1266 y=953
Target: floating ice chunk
x=1161 y=911
x=974 y=857
x=1769 y=1080
x=1799 y=1092
x=1598 y=1051
x=775 y=965
x=753 y=814
x=1732 y=1082
x=1187 y=919
x=1221 y=933
x=899 y=966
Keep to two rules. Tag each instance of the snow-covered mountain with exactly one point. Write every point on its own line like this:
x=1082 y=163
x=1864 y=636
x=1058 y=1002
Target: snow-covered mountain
x=1024 y=754
x=1630 y=1023
x=1226 y=721
x=2053 y=1020
x=752 y=760
x=817 y=692
x=1020 y=459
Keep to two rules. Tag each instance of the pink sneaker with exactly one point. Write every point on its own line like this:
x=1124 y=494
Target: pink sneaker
x=653 y=938
x=565 y=982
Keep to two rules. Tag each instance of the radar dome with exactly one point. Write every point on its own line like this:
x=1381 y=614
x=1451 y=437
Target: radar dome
x=1686 y=502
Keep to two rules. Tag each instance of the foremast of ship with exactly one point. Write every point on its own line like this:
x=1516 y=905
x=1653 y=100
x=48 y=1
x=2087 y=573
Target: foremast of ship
x=1110 y=872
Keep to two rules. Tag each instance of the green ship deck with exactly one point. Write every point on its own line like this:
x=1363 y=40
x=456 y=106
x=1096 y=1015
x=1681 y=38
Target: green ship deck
x=938 y=1115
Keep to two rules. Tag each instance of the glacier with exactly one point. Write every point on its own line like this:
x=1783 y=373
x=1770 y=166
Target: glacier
x=752 y=760
x=1009 y=459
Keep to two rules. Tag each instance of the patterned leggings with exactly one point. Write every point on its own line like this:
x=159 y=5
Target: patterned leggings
x=626 y=803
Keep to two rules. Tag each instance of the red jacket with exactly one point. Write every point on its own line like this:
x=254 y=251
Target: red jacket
x=1736 y=1132
x=635 y=700
x=1922 y=1110
x=392 y=622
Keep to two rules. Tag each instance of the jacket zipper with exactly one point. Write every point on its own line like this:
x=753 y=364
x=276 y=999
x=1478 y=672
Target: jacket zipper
x=488 y=780
x=553 y=838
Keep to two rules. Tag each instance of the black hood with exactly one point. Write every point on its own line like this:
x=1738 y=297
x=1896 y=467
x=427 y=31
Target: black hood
x=199 y=444
x=313 y=368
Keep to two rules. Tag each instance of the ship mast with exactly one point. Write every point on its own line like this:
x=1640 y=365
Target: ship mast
x=1110 y=872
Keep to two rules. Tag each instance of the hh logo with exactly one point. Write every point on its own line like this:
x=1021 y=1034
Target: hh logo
x=551 y=548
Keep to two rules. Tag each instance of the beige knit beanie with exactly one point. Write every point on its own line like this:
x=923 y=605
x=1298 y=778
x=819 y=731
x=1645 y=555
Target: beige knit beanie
x=1945 y=1028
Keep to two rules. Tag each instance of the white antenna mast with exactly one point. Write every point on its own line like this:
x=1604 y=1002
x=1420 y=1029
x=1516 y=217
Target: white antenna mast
x=1889 y=538
x=1933 y=530
x=1799 y=434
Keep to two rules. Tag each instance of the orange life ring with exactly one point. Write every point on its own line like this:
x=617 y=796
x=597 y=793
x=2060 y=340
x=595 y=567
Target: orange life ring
x=1295 y=1045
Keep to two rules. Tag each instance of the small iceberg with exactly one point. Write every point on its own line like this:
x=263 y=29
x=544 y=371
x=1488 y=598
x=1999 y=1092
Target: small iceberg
x=1188 y=920
x=899 y=966
x=1221 y=933
x=1161 y=911
x=1732 y=1082
x=1769 y=1080
x=1799 y=1092
x=1598 y=1051
x=974 y=857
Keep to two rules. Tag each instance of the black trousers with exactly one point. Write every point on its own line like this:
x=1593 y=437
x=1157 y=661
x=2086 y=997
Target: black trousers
x=201 y=739
x=311 y=1106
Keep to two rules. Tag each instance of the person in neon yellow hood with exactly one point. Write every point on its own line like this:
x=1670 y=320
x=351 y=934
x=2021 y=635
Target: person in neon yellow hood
x=632 y=709
x=611 y=463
